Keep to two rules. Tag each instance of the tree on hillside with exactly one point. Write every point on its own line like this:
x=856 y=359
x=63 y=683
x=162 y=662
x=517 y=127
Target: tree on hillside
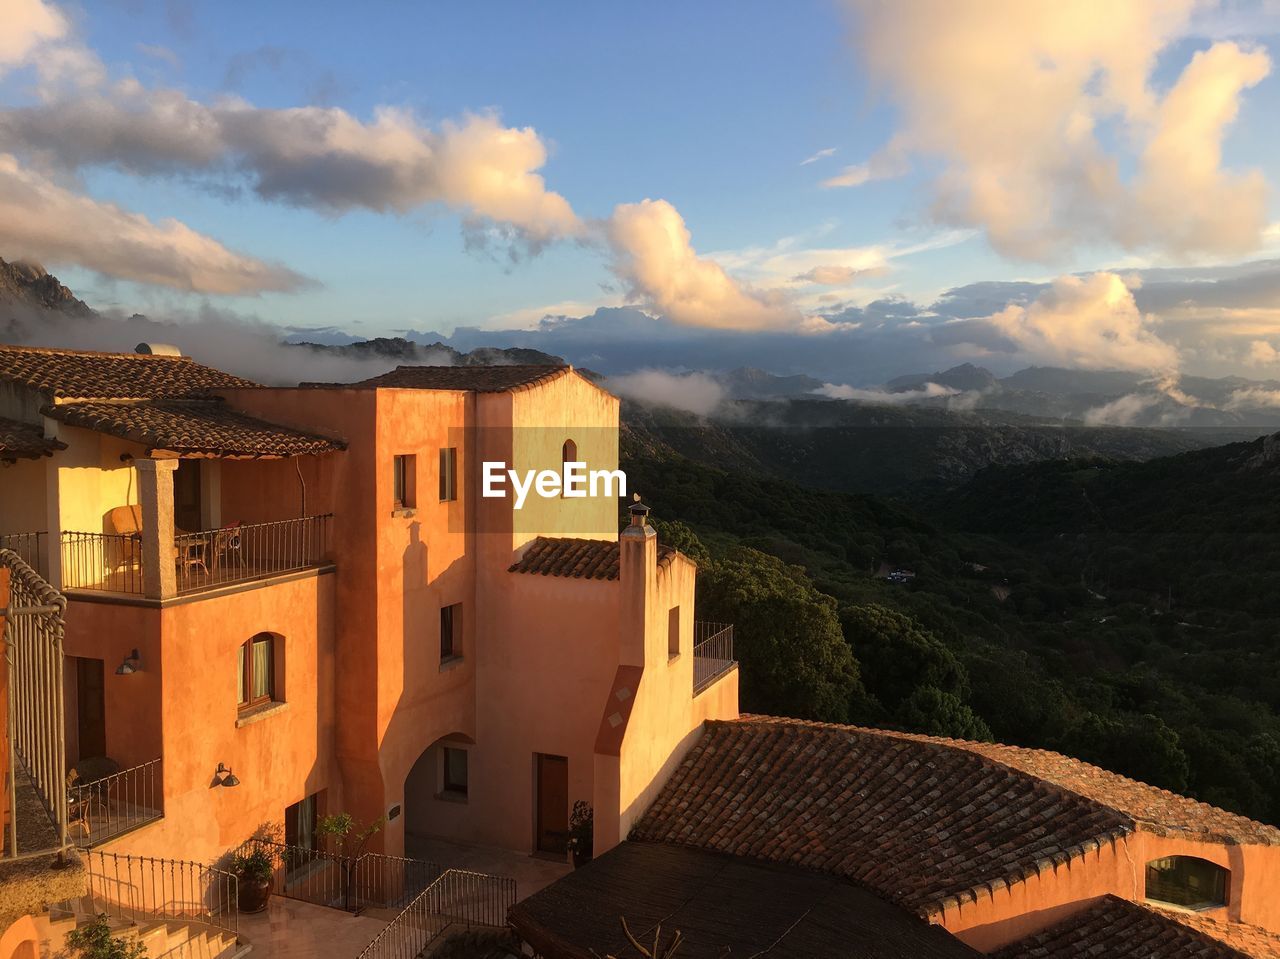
x=930 y=710
x=794 y=660
x=898 y=654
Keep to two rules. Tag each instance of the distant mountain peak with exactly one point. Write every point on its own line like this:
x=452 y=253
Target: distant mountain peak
x=966 y=378
x=26 y=283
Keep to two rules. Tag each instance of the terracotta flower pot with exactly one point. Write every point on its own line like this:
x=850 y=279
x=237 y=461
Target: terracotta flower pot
x=254 y=894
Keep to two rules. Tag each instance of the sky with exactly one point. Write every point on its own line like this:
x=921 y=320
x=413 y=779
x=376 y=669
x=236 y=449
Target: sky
x=847 y=188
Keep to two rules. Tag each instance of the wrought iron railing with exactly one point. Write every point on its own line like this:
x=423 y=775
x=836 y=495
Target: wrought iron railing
x=140 y=887
x=239 y=553
x=343 y=882
x=456 y=898
x=236 y=553
x=32 y=547
x=33 y=614
x=107 y=561
x=115 y=804
x=712 y=653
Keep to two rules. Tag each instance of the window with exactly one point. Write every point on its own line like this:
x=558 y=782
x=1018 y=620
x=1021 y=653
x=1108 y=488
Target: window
x=403 y=482
x=448 y=474
x=455 y=771
x=568 y=454
x=450 y=631
x=257 y=671
x=1188 y=882
x=673 y=632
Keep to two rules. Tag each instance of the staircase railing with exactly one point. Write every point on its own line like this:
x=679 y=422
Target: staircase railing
x=456 y=898
x=140 y=887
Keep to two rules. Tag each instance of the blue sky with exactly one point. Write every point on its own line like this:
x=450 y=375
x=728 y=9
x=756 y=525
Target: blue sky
x=711 y=107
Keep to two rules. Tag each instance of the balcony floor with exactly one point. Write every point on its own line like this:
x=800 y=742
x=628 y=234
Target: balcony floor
x=530 y=873
x=290 y=929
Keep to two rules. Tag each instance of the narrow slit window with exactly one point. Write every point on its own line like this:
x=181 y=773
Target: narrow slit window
x=450 y=631
x=448 y=474
x=403 y=481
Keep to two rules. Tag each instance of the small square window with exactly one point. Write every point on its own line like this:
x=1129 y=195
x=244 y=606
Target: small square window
x=404 y=482
x=455 y=771
x=450 y=631
x=448 y=474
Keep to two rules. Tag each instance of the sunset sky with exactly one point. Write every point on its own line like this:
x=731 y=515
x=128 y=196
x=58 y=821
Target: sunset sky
x=853 y=187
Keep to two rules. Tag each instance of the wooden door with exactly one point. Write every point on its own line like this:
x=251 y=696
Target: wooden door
x=91 y=708
x=553 y=803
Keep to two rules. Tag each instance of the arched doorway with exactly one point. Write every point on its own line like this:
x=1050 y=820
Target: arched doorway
x=436 y=793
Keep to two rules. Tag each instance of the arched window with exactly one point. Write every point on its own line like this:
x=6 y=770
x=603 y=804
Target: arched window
x=1188 y=882
x=568 y=454
x=257 y=664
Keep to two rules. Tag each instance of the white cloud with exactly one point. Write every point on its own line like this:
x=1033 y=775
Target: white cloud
x=1261 y=353
x=1010 y=95
x=44 y=221
x=26 y=25
x=1125 y=411
x=839 y=391
x=653 y=255
x=1088 y=322
x=695 y=392
x=1254 y=397
x=820 y=155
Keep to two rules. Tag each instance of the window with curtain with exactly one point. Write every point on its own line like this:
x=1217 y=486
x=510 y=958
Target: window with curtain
x=256 y=660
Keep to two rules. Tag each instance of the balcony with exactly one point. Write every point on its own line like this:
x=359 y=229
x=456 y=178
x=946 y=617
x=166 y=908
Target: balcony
x=201 y=561
x=712 y=653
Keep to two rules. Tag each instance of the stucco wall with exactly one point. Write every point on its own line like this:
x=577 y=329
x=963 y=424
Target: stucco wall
x=22 y=496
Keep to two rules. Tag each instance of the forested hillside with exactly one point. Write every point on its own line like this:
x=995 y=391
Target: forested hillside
x=1039 y=612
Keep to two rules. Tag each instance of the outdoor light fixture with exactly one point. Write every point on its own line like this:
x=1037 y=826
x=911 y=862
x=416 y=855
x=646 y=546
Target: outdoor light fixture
x=225 y=777
x=132 y=663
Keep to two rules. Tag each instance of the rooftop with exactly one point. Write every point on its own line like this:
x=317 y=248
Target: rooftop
x=575 y=558
x=192 y=428
x=1115 y=927
x=477 y=379
x=925 y=822
x=25 y=441
x=84 y=375
x=754 y=908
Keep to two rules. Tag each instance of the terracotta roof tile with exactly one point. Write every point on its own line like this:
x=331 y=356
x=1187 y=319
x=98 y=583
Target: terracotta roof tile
x=478 y=379
x=576 y=558
x=192 y=428
x=926 y=823
x=73 y=374
x=1251 y=940
x=25 y=440
x=1115 y=929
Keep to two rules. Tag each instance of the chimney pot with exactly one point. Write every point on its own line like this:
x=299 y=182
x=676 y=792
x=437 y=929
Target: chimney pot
x=639 y=512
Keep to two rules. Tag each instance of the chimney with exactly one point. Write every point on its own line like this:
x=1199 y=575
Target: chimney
x=638 y=571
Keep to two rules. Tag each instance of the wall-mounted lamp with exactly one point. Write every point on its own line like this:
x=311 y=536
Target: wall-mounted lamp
x=225 y=777
x=132 y=664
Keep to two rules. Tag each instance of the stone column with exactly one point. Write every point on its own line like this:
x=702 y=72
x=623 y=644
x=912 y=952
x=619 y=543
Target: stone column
x=155 y=496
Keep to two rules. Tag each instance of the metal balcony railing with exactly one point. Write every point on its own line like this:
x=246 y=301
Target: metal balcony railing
x=140 y=888
x=239 y=553
x=208 y=559
x=115 y=804
x=32 y=547
x=34 y=745
x=712 y=653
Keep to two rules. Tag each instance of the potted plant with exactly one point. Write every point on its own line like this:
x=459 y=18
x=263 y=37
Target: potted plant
x=254 y=871
x=349 y=841
x=93 y=940
x=581 y=832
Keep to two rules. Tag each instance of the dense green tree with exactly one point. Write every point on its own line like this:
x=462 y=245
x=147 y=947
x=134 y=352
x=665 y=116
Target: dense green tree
x=794 y=660
x=1142 y=746
x=898 y=655
x=679 y=536
x=930 y=710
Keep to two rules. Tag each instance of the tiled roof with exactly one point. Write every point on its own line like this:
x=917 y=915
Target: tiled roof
x=575 y=558
x=192 y=428
x=1115 y=929
x=1155 y=810
x=478 y=379
x=73 y=374
x=25 y=440
x=720 y=903
x=925 y=823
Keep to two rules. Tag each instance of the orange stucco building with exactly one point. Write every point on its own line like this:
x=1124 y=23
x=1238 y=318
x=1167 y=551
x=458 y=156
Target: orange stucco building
x=287 y=602
x=304 y=587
